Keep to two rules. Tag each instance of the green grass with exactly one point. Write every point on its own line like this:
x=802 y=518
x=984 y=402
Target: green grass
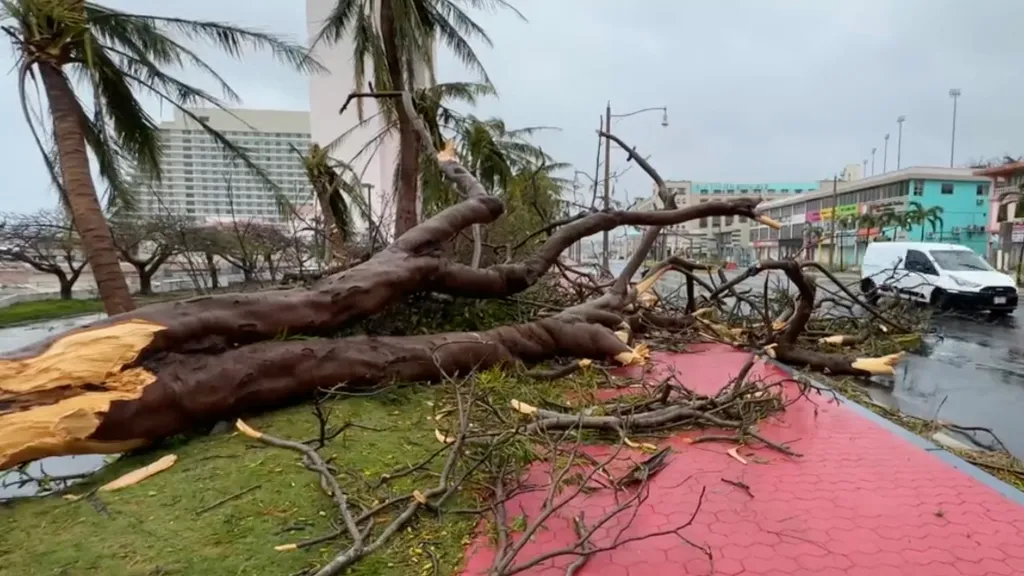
x=154 y=527
x=24 y=312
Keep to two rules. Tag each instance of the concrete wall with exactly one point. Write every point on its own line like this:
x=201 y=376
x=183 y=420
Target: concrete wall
x=962 y=209
x=327 y=92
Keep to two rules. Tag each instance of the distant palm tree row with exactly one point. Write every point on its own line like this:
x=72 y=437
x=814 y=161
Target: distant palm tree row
x=884 y=222
x=74 y=52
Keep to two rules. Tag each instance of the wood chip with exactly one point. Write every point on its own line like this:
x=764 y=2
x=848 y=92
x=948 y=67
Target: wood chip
x=734 y=452
x=140 y=474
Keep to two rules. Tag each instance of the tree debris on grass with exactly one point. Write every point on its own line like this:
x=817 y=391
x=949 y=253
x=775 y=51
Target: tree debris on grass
x=136 y=378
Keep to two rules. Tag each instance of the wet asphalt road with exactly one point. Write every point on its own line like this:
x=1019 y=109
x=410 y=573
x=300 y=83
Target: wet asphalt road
x=972 y=367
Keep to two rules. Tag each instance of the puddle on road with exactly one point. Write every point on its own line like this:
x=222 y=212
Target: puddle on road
x=971 y=374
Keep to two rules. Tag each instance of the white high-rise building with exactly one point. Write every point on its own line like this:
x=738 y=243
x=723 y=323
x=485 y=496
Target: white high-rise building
x=203 y=181
x=374 y=166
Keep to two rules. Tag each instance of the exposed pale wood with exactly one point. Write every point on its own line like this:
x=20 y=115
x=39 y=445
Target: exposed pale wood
x=51 y=403
x=882 y=366
x=140 y=474
x=86 y=357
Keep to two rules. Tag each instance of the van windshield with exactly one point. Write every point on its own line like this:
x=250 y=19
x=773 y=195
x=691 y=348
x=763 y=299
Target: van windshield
x=959 y=260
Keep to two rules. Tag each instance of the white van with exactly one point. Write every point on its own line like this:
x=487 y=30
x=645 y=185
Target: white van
x=944 y=275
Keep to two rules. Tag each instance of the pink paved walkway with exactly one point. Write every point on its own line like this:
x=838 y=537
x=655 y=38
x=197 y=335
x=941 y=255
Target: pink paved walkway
x=861 y=501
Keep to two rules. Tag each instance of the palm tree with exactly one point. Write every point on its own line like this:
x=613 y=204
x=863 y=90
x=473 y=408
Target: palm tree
x=812 y=235
x=397 y=39
x=916 y=216
x=330 y=192
x=434 y=105
x=933 y=216
x=114 y=55
x=896 y=220
x=868 y=221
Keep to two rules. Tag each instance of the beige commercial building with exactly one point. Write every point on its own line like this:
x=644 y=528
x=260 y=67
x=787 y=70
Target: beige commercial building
x=204 y=181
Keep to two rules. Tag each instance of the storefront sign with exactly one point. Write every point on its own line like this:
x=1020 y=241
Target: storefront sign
x=1018 y=232
x=766 y=243
x=879 y=205
x=798 y=218
x=826 y=214
x=846 y=210
x=730 y=187
x=813 y=216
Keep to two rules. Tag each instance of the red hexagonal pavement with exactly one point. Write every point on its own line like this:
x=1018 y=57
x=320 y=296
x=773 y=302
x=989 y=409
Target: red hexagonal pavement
x=860 y=501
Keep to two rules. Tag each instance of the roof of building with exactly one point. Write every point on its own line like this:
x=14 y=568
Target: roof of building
x=1002 y=169
x=912 y=173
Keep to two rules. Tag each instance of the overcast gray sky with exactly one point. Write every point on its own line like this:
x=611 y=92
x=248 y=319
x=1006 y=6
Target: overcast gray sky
x=787 y=90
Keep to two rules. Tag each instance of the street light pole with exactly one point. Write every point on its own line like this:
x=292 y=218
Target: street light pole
x=885 y=154
x=873 y=150
x=608 y=165
x=835 y=201
x=607 y=180
x=954 y=93
x=899 y=141
x=864 y=173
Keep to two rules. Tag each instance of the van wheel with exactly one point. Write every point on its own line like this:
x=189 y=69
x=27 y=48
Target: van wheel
x=870 y=291
x=939 y=299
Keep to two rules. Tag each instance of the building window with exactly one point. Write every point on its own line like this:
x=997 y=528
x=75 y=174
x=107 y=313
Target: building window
x=919 y=188
x=703 y=223
x=981 y=190
x=728 y=220
x=947 y=188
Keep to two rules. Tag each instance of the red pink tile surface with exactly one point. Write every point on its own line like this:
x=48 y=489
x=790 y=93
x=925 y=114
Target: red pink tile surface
x=860 y=501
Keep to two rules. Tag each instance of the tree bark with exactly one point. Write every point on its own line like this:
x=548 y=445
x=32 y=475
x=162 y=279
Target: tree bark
x=408 y=145
x=145 y=280
x=336 y=250
x=211 y=268
x=66 y=287
x=117 y=400
x=86 y=211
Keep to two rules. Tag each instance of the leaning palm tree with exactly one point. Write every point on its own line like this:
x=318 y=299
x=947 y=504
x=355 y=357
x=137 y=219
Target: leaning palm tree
x=933 y=216
x=397 y=39
x=330 y=195
x=114 y=56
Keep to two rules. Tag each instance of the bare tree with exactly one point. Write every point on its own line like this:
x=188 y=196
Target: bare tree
x=146 y=244
x=46 y=241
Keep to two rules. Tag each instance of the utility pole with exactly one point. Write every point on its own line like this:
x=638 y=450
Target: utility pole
x=885 y=154
x=607 y=179
x=873 y=150
x=864 y=173
x=954 y=93
x=899 y=141
x=835 y=202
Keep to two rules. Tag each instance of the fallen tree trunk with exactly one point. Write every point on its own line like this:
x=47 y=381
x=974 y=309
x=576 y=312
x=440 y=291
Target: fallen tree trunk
x=140 y=376
x=88 y=392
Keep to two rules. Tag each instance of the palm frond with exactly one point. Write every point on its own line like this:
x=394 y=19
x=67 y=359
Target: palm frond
x=230 y=39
